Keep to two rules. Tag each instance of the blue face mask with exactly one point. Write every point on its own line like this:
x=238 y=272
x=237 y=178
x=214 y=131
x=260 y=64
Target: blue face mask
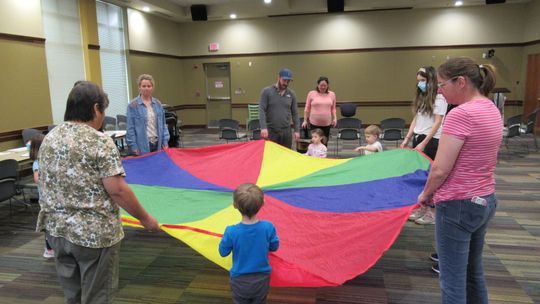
x=422 y=85
x=28 y=147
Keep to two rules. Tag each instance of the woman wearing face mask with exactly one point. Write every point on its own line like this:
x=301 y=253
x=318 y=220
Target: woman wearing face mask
x=320 y=110
x=429 y=108
x=146 y=128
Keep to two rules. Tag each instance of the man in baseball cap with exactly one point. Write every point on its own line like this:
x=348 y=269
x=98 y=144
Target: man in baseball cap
x=277 y=107
x=285 y=74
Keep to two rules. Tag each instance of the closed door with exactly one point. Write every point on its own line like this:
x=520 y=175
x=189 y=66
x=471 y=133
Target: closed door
x=218 y=92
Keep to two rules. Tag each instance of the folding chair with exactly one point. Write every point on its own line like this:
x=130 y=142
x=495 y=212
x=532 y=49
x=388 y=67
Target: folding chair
x=253 y=113
x=109 y=123
x=392 y=129
x=513 y=129
x=348 y=129
x=531 y=125
x=27 y=134
x=9 y=179
x=121 y=122
x=254 y=129
x=228 y=130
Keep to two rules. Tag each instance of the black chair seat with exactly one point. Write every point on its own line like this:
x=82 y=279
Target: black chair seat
x=392 y=129
x=254 y=129
x=109 y=123
x=349 y=134
x=28 y=134
x=348 y=129
x=228 y=130
x=9 y=178
x=513 y=129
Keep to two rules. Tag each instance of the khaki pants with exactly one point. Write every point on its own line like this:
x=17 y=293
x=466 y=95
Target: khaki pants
x=87 y=275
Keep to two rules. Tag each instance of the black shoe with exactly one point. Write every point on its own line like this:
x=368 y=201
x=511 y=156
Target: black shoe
x=434 y=257
x=435 y=268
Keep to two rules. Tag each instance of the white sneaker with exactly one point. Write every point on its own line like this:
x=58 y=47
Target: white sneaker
x=48 y=253
x=417 y=213
x=427 y=219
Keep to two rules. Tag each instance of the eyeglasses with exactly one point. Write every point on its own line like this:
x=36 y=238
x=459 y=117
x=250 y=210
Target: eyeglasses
x=442 y=84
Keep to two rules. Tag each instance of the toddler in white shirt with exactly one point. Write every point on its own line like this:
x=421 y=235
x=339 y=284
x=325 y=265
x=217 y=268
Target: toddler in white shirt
x=317 y=147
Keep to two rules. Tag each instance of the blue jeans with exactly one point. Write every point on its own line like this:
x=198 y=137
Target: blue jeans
x=460 y=231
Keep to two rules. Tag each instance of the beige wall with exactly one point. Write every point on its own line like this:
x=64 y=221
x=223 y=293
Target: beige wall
x=384 y=76
x=355 y=76
x=21 y=17
x=153 y=34
x=422 y=27
x=167 y=73
x=24 y=80
x=532 y=21
x=379 y=75
x=25 y=88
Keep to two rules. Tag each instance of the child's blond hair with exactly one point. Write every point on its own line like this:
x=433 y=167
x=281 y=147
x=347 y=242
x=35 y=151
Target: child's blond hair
x=373 y=130
x=248 y=199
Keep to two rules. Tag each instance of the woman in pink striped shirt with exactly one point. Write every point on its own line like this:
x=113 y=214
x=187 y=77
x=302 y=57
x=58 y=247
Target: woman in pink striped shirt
x=320 y=110
x=461 y=182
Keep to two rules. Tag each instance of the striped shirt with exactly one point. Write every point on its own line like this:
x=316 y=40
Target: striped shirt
x=478 y=123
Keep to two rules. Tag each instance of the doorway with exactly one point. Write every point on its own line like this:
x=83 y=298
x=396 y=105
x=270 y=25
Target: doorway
x=218 y=92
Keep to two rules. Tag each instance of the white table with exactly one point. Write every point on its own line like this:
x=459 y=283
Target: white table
x=119 y=134
x=18 y=154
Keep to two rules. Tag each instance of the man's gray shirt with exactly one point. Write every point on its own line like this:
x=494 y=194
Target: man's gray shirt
x=275 y=111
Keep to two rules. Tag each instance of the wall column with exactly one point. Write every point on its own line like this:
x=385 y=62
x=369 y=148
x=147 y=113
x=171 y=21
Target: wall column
x=90 y=40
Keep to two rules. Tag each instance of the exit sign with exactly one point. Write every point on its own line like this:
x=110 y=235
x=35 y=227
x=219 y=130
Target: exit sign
x=213 y=47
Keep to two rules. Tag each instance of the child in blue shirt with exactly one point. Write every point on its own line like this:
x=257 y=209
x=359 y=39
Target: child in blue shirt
x=250 y=241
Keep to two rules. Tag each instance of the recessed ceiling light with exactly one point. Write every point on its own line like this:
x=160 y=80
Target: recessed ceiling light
x=233 y=16
x=458 y=3
x=267 y=1
x=146 y=8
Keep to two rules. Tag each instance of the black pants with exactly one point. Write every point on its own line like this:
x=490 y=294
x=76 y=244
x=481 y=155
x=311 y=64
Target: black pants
x=431 y=147
x=281 y=136
x=325 y=129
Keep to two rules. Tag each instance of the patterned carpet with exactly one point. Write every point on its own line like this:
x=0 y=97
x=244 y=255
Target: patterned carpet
x=155 y=268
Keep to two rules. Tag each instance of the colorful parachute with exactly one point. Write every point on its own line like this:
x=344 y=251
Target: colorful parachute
x=334 y=217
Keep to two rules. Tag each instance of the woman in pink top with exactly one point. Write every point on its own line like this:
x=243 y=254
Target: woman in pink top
x=461 y=182
x=320 y=110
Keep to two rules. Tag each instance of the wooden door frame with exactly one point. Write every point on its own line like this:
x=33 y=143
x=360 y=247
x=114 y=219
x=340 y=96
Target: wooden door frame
x=532 y=88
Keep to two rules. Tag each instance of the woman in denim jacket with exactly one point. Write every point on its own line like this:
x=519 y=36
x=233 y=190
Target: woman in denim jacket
x=146 y=128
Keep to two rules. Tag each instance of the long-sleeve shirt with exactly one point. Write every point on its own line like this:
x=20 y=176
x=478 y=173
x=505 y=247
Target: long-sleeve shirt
x=277 y=111
x=250 y=245
x=321 y=107
x=137 y=125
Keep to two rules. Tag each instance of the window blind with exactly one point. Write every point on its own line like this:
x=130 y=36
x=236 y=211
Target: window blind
x=63 y=51
x=113 y=57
